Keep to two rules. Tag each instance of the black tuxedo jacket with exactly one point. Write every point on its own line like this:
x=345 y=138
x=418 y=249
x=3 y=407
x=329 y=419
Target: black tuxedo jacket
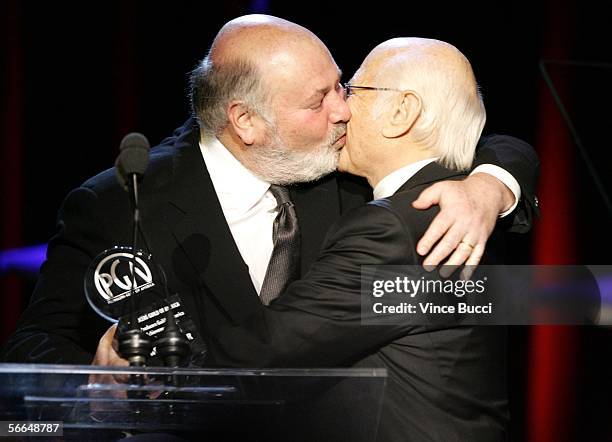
x=187 y=233
x=446 y=383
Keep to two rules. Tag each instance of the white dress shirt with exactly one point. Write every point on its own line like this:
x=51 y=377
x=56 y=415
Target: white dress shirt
x=396 y=179
x=249 y=207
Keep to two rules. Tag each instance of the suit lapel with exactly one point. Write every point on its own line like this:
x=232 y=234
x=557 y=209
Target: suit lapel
x=317 y=207
x=203 y=235
x=430 y=174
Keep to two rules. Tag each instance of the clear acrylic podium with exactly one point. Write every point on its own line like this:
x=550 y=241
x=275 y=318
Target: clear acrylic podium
x=202 y=404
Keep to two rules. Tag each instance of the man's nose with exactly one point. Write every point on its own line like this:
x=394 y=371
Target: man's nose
x=340 y=111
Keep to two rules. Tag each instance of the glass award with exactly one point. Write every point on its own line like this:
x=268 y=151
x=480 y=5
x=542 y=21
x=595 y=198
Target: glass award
x=108 y=283
x=108 y=289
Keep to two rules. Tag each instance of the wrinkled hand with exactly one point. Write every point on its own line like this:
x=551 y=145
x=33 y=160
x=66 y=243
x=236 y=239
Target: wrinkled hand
x=106 y=354
x=468 y=212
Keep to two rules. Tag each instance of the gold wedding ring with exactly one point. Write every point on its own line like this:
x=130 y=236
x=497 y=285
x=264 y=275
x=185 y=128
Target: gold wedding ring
x=466 y=243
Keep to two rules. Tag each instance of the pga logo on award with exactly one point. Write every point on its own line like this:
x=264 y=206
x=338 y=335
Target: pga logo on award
x=113 y=275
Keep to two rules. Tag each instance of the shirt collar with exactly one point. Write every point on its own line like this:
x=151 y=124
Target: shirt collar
x=389 y=184
x=236 y=186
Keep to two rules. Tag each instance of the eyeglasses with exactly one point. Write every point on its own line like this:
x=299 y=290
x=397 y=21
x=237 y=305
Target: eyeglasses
x=350 y=88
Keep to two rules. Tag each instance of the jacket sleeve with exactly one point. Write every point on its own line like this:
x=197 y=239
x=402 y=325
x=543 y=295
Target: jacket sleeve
x=317 y=321
x=521 y=161
x=59 y=326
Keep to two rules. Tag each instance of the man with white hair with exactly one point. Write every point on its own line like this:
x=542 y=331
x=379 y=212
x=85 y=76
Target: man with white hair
x=416 y=119
x=438 y=111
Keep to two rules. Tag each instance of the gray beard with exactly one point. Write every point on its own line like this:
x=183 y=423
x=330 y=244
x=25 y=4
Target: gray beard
x=277 y=164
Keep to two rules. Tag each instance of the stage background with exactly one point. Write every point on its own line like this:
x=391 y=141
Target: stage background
x=77 y=76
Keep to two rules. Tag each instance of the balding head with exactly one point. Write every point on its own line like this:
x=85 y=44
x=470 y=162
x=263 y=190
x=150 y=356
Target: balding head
x=245 y=58
x=451 y=115
x=259 y=39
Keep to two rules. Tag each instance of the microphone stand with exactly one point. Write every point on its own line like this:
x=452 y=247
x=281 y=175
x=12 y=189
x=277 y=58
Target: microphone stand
x=134 y=344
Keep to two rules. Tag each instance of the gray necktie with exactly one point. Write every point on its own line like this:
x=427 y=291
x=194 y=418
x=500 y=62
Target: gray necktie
x=285 y=260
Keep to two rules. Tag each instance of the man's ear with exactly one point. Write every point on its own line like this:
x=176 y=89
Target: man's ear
x=242 y=120
x=404 y=113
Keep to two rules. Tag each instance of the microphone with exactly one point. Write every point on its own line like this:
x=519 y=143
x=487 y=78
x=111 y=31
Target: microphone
x=134 y=344
x=133 y=158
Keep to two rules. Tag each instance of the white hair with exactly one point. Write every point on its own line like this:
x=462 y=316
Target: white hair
x=453 y=113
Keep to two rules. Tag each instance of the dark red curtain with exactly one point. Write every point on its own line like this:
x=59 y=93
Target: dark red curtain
x=127 y=86
x=11 y=148
x=553 y=349
x=15 y=124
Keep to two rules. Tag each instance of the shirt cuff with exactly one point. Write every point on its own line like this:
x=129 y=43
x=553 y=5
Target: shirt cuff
x=505 y=177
